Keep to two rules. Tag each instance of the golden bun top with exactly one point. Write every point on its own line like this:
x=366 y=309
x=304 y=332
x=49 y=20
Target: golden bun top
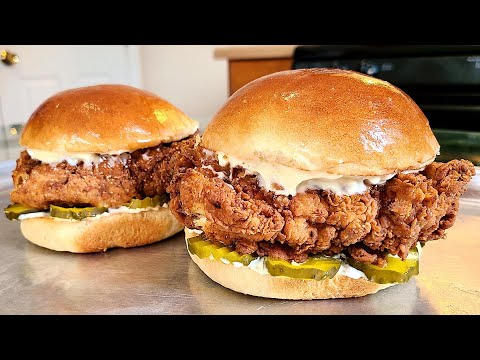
x=335 y=121
x=104 y=119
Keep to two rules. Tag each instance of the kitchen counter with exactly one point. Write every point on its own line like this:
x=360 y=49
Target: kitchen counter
x=161 y=279
x=255 y=52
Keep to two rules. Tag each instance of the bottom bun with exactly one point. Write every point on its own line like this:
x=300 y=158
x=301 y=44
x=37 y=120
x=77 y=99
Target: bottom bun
x=99 y=234
x=250 y=282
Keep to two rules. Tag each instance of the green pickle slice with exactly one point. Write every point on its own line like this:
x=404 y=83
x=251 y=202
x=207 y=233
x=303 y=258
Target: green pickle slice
x=396 y=270
x=75 y=213
x=204 y=249
x=147 y=202
x=315 y=268
x=13 y=211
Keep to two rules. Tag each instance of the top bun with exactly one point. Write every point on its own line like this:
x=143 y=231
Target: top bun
x=103 y=119
x=335 y=121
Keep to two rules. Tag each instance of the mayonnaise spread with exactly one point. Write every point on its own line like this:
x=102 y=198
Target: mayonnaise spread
x=110 y=211
x=73 y=158
x=286 y=180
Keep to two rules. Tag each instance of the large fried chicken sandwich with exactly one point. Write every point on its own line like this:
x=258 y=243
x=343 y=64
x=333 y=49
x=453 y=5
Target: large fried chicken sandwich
x=95 y=168
x=317 y=183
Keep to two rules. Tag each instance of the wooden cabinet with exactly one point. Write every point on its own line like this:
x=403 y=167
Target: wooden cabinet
x=242 y=72
x=249 y=63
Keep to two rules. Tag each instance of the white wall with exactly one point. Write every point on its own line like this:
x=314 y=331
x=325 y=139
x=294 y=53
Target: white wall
x=188 y=76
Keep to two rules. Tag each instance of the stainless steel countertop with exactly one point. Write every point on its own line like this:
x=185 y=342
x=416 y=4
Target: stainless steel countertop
x=161 y=279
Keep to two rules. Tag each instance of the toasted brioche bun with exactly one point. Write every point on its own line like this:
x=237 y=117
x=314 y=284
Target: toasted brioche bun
x=104 y=119
x=248 y=281
x=335 y=121
x=94 y=235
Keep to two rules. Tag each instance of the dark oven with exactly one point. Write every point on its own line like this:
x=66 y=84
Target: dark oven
x=443 y=80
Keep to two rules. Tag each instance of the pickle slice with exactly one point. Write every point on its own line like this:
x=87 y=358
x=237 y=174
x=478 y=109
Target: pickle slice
x=13 y=211
x=315 y=268
x=234 y=256
x=396 y=270
x=147 y=202
x=204 y=249
x=75 y=213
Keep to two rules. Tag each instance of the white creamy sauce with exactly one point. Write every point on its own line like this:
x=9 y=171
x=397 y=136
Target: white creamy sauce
x=73 y=158
x=420 y=249
x=33 y=215
x=350 y=271
x=259 y=265
x=285 y=180
x=210 y=153
x=197 y=138
x=345 y=185
x=192 y=232
x=294 y=263
x=219 y=174
x=126 y=209
x=121 y=209
x=413 y=171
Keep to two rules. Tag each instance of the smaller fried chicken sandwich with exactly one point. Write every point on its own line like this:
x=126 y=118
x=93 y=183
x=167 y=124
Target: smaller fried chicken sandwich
x=95 y=169
x=316 y=183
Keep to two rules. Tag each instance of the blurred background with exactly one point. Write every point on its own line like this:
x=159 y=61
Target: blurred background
x=443 y=80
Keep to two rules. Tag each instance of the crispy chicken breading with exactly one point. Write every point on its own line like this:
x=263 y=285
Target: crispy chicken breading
x=111 y=183
x=234 y=210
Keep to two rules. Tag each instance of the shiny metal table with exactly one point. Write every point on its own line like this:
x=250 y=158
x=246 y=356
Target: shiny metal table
x=161 y=279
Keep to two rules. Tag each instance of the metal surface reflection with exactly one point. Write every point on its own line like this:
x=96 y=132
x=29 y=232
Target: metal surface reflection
x=161 y=279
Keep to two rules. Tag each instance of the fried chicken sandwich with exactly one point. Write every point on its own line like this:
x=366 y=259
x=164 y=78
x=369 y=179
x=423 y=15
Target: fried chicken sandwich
x=95 y=168
x=316 y=183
